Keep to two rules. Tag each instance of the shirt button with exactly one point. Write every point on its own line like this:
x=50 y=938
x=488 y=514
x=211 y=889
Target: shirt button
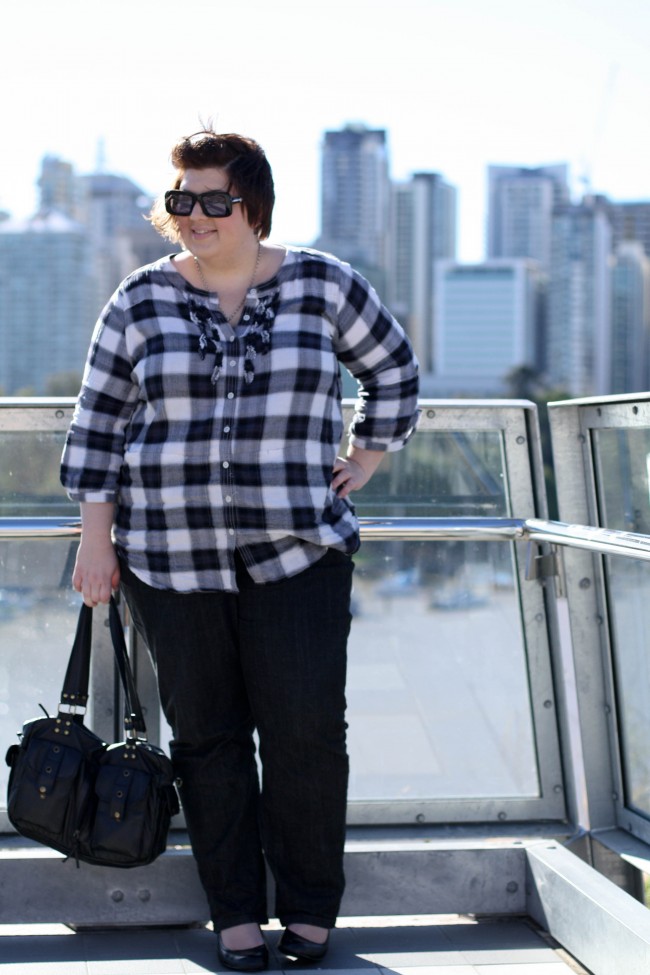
x=228 y=498
x=231 y=395
x=247 y=318
x=233 y=362
x=225 y=464
x=231 y=531
x=226 y=429
x=231 y=338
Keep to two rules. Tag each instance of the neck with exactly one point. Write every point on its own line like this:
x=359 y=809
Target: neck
x=231 y=288
x=226 y=269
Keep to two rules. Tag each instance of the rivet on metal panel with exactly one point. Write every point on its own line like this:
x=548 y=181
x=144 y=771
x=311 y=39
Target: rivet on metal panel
x=431 y=414
x=557 y=789
x=144 y=895
x=521 y=440
x=608 y=709
x=59 y=414
x=584 y=583
x=502 y=815
x=548 y=704
x=117 y=896
x=419 y=818
x=539 y=618
x=599 y=620
x=512 y=887
x=615 y=796
x=581 y=437
x=635 y=409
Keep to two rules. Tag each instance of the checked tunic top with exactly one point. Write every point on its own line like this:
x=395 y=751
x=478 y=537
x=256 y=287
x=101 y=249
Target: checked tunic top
x=211 y=438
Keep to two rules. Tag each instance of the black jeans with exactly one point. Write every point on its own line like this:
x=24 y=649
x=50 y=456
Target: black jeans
x=272 y=658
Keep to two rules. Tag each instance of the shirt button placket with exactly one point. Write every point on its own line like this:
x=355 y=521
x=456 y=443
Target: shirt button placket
x=231 y=382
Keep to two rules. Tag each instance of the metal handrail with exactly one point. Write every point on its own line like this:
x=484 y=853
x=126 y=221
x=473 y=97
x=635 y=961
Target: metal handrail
x=606 y=541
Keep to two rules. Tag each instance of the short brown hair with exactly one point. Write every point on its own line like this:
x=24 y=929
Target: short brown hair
x=248 y=169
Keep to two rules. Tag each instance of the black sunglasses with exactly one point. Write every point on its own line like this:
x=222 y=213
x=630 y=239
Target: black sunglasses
x=214 y=203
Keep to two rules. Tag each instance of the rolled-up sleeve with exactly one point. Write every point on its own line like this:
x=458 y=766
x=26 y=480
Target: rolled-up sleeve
x=93 y=452
x=373 y=346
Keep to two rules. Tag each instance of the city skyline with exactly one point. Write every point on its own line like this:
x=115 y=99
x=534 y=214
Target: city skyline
x=457 y=85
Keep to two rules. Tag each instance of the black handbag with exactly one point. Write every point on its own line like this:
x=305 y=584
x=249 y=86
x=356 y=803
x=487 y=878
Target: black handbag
x=68 y=789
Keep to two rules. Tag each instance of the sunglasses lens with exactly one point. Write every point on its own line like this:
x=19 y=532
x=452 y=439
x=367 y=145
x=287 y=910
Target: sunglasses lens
x=216 y=204
x=179 y=204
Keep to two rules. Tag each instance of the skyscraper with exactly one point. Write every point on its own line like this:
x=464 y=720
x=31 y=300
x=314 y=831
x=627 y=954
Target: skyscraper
x=486 y=323
x=630 y=319
x=355 y=191
x=422 y=231
x=46 y=301
x=631 y=221
x=59 y=268
x=521 y=201
x=113 y=211
x=578 y=341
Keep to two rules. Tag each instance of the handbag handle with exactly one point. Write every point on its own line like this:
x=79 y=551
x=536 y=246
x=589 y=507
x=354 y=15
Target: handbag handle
x=74 y=695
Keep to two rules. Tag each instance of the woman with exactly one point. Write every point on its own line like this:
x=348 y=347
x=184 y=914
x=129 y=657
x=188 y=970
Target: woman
x=203 y=451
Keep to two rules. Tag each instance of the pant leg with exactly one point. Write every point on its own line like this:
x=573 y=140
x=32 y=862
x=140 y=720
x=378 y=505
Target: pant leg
x=294 y=651
x=193 y=641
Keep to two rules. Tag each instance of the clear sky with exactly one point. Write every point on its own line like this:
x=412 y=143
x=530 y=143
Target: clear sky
x=457 y=84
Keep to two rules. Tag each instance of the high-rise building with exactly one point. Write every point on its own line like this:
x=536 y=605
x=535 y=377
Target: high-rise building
x=578 y=339
x=422 y=231
x=355 y=192
x=46 y=301
x=113 y=210
x=58 y=269
x=630 y=348
x=521 y=201
x=630 y=221
x=59 y=188
x=487 y=318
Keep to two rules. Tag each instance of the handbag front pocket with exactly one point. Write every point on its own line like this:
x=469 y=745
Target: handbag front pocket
x=49 y=786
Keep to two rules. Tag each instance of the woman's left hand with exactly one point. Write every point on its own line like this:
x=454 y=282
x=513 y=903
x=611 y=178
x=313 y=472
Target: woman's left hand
x=355 y=470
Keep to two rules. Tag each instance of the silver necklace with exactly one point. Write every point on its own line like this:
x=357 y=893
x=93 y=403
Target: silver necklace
x=239 y=307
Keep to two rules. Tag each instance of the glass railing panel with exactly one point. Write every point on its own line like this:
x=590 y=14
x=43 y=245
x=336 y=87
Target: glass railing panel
x=38 y=617
x=628 y=584
x=29 y=475
x=448 y=696
x=622 y=458
x=442 y=473
x=438 y=694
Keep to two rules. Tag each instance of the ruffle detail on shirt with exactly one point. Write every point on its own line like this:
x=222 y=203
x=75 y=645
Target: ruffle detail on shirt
x=210 y=336
x=258 y=335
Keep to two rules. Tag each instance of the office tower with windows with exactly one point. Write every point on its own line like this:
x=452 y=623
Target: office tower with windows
x=486 y=323
x=355 y=191
x=630 y=319
x=521 y=201
x=422 y=231
x=578 y=340
x=113 y=210
x=630 y=221
x=46 y=301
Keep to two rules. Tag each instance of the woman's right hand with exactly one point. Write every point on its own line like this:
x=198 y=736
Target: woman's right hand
x=96 y=572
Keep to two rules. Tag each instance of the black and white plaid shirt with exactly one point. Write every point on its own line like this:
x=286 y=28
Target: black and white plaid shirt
x=211 y=438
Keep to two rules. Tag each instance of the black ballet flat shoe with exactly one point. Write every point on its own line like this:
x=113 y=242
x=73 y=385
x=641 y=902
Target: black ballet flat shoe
x=243 y=959
x=295 y=946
